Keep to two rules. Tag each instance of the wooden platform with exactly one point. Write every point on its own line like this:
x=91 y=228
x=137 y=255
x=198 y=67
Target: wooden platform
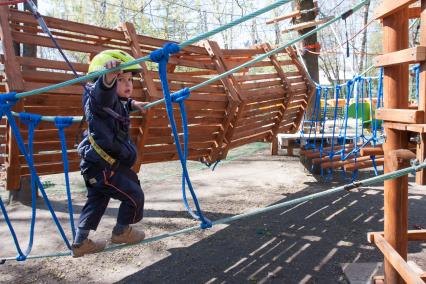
x=249 y=106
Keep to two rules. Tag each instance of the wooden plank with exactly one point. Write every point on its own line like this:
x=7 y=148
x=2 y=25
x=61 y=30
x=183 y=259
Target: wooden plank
x=371 y=151
x=290 y=15
x=414 y=12
x=409 y=56
x=11 y=66
x=232 y=90
x=55 y=23
x=388 y=8
x=364 y=164
x=413 y=235
x=306 y=25
x=408 y=274
x=400 y=115
x=45 y=41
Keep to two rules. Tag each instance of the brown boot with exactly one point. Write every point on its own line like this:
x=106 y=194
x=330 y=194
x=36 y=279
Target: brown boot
x=129 y=236
x=87 y=246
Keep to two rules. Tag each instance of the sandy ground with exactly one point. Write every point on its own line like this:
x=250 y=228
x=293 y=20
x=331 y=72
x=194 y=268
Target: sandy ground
x=306 y=243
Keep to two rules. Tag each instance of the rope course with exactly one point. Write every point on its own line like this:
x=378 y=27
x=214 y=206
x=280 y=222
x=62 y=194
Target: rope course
x=161 y=56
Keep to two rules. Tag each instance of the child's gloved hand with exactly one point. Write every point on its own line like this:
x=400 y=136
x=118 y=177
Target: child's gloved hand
x=139 y=106
x=110 y=77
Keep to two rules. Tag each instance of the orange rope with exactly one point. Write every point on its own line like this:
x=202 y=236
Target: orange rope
x=336 y=49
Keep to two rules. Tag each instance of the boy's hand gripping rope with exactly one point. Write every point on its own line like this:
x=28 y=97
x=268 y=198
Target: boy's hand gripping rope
x=161 y=57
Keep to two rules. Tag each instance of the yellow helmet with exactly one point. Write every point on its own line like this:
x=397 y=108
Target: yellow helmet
x=98 y=62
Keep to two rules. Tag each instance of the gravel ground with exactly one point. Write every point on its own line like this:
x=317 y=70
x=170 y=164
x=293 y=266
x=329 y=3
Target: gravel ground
x=306 y=243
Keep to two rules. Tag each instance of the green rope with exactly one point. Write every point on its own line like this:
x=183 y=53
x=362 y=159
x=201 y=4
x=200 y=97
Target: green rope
x=146 y=58
x=366 y=182
x=207 y=82
x=263 y=56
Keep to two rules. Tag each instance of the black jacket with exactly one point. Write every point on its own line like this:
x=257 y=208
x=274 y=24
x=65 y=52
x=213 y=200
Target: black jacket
x=111 y=132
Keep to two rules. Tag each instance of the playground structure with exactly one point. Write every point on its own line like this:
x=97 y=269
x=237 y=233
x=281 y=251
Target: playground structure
x=250 y=96
x=342 y=131
x=255 y=104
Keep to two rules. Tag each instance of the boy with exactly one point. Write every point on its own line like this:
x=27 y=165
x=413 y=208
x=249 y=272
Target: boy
x=107 y=154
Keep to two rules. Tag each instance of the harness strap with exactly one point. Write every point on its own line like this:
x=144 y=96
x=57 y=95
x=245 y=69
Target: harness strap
x=110 y=160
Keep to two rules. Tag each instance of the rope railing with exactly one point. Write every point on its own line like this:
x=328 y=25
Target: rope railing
x=227 y=220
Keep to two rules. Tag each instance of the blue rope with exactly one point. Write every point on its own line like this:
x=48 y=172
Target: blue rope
x=417 y=72
x=348 y=96
x=323 y=125
x=61 y=123
x=21 y=256
x=318 y=111
x=312 y=118
x=161 y=56
x=6 y=102
x=32 y=120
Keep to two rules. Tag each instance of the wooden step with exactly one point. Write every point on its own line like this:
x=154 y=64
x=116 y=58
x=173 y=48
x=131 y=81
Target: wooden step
x=391 y=7
x=400 y=115
x=409 y=55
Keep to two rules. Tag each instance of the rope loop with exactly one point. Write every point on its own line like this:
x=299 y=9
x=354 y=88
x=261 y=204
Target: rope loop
x=180 y=95
x=30 y=118
x=21 y=257
x=163 y=54
x=63 y=121
x=7 y=100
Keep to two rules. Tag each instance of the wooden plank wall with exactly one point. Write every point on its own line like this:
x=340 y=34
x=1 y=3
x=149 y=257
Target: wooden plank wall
x=252 y=105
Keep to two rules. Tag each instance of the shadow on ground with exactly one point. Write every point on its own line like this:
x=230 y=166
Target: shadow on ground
x=305 y=243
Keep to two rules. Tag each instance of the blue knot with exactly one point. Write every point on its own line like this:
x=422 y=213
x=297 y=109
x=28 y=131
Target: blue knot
x=8 y=100
x=338 y=87
x=63 y=121
x=319 y=88
x=21 y=257
x=164 y=53
x=180 y=95
x=29 y=118
x=350 y=82
x=206 y=224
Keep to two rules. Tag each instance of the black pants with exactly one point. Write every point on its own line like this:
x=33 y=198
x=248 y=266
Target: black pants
x=121 y=184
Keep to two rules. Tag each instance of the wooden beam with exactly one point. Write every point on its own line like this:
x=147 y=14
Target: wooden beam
x=414 y=12
x=421 y=148
x=371 y=151
x=413 y=235
x=306 y=25
x=379 y=161
x=408 y=274
x=409 y=55
x=391 y=7
x=231 y=88
x=293 y=14
x=287 y=96
x=400 y=115
x=131 y=36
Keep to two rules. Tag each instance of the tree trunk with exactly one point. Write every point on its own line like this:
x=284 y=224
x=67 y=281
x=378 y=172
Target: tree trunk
x=310 y=59
x=364 y=39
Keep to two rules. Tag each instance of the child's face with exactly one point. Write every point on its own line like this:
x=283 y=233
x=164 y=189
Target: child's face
x=125 y=85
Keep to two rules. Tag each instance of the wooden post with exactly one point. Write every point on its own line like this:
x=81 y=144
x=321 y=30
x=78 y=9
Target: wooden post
x=395 y=87
x=421 y=147
x=14 y=83
x=131 y=36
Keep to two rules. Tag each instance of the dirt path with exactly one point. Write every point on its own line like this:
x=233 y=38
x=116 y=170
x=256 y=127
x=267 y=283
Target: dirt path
x=303 y=244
